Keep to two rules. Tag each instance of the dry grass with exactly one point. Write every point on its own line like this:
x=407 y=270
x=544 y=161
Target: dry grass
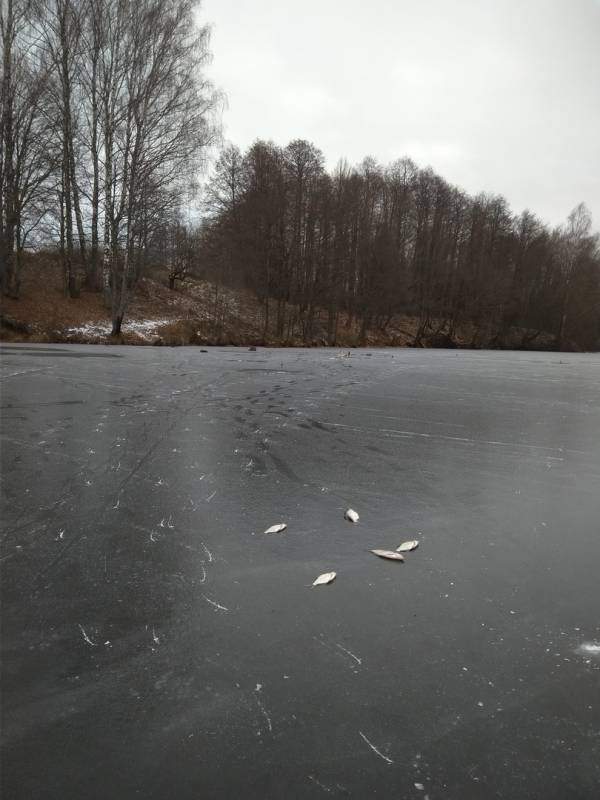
x=43 y=306
x=197 y=312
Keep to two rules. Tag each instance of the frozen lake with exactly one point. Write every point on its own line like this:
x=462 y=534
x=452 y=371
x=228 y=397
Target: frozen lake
x=157 y=644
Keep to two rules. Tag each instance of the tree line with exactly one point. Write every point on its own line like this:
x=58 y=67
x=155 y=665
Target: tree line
x=363 y=244
x=105 y=119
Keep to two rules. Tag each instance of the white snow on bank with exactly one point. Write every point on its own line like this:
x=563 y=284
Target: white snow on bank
x=89 y=329
x=144 y=328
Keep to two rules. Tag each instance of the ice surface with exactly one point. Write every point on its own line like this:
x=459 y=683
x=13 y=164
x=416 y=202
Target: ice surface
x=162 y=467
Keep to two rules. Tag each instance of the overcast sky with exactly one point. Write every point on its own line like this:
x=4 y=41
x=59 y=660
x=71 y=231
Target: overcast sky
x=496 y=95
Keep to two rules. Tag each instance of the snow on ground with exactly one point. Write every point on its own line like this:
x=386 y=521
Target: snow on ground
x=144 y=328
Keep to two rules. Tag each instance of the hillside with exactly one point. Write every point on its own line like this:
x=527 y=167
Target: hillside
x=197 y=312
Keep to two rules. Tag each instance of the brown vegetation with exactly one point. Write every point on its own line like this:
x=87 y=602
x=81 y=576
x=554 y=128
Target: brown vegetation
x=201 y=313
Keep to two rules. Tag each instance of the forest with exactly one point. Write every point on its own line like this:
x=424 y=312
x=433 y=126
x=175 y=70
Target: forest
x=106 y=120
x=374 y=241
x=109 y=132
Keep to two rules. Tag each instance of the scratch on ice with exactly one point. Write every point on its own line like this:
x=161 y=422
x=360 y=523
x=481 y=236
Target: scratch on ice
x=374 y=749
x=356 y=658
x=218 y=606
x=341 y=648
x=263 y=709
x=318 y=783
x=86 y=638
x=208 y=553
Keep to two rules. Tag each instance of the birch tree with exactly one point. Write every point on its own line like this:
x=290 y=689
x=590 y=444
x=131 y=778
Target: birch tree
x=158 y=127
x=28 y=148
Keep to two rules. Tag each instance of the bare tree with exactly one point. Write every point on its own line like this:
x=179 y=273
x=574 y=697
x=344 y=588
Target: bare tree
x=11 y=15
x=577 y=244
x=28 y=148
x=162 y=127
x=372 y=242
x=58 y=26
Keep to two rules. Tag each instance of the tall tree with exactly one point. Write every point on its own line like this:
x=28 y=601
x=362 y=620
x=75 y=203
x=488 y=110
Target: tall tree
x=10 y=18
x=166 y=125
x=578 y=247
